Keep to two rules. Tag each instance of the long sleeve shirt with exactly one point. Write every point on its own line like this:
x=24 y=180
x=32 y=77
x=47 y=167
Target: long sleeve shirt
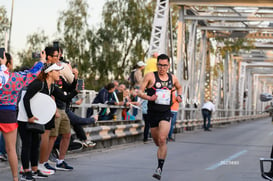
x=39 y=86
x=16 y=81
x=104 y=97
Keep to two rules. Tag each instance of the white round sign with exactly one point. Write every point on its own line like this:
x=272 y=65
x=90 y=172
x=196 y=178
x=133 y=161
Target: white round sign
x=42 y=107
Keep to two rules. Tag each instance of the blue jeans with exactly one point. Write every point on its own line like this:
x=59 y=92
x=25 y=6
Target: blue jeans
x=75 y=119
x=173 y=121
x=2 y=145
x=206 y=116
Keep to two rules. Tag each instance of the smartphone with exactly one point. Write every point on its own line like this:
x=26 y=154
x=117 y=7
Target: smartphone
x=2 y=50
x=56 y=44
x=36 y=55
x=80 y=84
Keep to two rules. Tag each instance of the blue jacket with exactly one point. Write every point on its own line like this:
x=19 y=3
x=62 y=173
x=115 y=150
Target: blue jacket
x=104 y=97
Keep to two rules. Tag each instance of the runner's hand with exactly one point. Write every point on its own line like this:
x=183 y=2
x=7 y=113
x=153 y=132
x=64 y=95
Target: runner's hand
x=179 y=99
x=152 y=98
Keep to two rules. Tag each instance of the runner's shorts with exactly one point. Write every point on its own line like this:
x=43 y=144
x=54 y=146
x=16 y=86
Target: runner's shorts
x=155 y=117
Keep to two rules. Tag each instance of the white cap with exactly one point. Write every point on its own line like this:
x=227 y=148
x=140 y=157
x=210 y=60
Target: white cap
x=141 y=63
x=53 y=67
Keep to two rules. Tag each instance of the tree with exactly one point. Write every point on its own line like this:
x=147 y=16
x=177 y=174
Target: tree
x=36 y=42
x=122 y=39
x=4 y=25
x=72 y=24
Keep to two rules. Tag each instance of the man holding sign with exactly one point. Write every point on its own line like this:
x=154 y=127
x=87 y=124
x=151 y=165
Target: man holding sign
x=159 y=86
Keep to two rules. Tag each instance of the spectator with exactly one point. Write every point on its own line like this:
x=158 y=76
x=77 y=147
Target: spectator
x=174 y=110
x=105 y=96
x=128 y=103
x=151 y=64
x=3 y=153
x=138 y=74
x=31 y=140
x=67 y=83
x=8 y=103
x=144 y=106
x=77 y=122
x=207 y=110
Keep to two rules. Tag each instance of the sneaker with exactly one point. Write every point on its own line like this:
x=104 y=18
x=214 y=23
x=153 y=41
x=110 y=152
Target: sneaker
x=171 y=139
x=44 y=170
x=3 y=157
x=63 y=166
x=267 y=175
x=27 y=176
x=49 y=167
x=75 y=145
x=21 y=170
x=38 y=174
x=88 y=143
x=157 y=174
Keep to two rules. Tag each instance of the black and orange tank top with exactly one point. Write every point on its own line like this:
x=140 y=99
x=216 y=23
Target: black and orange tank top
x=163 y=90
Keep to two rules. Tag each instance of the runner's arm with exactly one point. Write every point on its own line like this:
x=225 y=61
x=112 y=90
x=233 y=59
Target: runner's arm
x=178 y=87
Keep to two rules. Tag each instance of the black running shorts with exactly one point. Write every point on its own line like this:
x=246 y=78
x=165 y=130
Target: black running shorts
x=155 y=117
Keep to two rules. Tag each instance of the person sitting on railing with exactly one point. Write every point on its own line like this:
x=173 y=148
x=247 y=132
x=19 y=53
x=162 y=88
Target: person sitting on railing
x=126 y=115
x=106 y=96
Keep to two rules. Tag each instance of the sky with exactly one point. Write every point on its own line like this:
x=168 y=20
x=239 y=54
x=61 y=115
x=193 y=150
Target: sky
x=30 y=16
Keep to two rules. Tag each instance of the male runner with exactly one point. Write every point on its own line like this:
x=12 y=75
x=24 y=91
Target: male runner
x=159 y=86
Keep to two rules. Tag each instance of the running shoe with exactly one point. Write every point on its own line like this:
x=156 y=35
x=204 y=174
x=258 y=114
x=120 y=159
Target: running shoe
x=267 y=175
x=21 y=170
x=63 y=166
x=27 y=176
x=44 y=170
x=38 y=174
x=88 y=143
x=3 y=157
x=157 y=174
x=49 y=167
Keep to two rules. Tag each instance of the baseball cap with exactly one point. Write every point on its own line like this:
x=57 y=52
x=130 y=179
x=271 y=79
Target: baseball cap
x=53 y=66
x=141 y=63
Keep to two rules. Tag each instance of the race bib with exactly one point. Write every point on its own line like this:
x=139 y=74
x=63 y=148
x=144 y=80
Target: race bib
x=163 y=97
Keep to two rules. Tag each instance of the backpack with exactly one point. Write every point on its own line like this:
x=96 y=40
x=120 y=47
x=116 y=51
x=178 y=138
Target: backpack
x=131 y=79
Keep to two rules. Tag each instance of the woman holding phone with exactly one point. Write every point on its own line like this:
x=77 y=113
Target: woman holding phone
x=8 y=103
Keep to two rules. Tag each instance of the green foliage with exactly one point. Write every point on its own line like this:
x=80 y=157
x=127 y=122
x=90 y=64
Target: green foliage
x=36 y=42
x=122 y=39
x=73 y=26
x=4 y=25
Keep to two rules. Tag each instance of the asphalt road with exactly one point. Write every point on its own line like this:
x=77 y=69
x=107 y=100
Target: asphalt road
x=227 y=153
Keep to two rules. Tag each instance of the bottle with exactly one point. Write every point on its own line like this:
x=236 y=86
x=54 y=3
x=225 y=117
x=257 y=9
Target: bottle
x=115 y=117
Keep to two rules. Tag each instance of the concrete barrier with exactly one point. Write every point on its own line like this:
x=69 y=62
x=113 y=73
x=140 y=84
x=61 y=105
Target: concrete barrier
x=108 y=133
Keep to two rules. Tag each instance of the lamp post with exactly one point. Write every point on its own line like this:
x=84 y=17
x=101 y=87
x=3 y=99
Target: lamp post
x=11 y=16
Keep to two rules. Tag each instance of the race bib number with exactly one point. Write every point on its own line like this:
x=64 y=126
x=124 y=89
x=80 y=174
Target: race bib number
x=163 y=97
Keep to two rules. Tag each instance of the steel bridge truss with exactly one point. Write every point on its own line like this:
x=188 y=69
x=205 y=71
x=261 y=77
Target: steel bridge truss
x=235 y=80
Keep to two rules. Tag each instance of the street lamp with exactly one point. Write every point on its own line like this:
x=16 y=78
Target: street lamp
x=11 y=16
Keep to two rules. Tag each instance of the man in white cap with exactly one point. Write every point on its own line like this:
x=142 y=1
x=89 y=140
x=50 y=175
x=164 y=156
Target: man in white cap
x=138 y=74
